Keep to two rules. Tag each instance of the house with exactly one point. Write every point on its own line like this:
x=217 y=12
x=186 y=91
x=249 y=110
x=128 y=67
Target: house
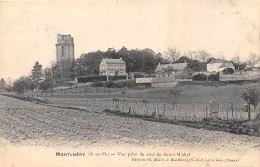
x=253 y=67
x=170 y=69
x=112 y=67
x=219 y=65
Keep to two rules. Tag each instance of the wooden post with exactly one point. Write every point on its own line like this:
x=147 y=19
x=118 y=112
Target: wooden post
x=180 y=111
x=249 y=112
x=219 y=114
x=223 y=113
x=193 y=111
x=135 y=108
x=113 y=103
x=240 y=113
x=145 y=109
x=156 y=110
x=232 y=109
x=227 y=113
x=206 y=111
x=123 y=105
x=173 y=109
x=236 y=114
x=185 y=109
x=163 y=109
x=130 y=108
x=148 y=108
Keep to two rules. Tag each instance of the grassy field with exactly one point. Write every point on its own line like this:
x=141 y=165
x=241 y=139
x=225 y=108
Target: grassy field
x=189 y=100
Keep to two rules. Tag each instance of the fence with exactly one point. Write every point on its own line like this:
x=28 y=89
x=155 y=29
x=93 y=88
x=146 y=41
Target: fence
x=89 y=89
x=187 y=112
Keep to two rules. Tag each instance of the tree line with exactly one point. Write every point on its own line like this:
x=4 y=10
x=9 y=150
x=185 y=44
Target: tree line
x=137 y=60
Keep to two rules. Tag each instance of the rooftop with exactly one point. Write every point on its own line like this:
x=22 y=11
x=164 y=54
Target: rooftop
x=177 y=66
x=114 y=61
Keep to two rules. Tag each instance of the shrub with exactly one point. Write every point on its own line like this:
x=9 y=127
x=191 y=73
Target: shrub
x=199 y=77
x=97 y=83
x=119 y=85
x=213 y=77
x=114 y=78
x=91 y=78
x=228 y=71
x=109 y=84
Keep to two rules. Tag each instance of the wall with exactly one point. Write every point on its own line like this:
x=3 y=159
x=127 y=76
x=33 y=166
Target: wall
x=160 y=85
x=250 y=75
x=213 y=67
x=160 y=80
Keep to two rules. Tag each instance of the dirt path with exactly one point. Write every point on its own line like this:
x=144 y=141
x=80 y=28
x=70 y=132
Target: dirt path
x=38 y=125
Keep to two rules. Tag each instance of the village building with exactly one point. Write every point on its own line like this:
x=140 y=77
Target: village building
x=219 y=65
x=112 y=67
x=163 y=70
x=64 y=51
x=253 y=67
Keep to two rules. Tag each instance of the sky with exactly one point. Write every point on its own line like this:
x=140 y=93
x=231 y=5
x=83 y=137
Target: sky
x=28 y=30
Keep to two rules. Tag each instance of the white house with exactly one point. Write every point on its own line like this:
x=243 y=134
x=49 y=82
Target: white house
x=170 y=69
x=112 y=67
x=219 y=65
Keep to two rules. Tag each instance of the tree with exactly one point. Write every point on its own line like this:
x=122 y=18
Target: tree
x=2 y=84
x=30 y=84
x=20 y=85
x=202 y=55
x=183 y=59
x=9 y=84
x=168 y=70
x=236 y=59
x=172 y=53
x=109 y=84
x=253 y=58
x=237 y=63
x=251 y=96
x=189 y=54
x=37 y=73
x=195 y=65
x=46 y=85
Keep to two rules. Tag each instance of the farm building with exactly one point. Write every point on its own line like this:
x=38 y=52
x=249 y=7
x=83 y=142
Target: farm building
x=112 y=67
x=170 y=69
x=253 y=67
x=219 y=65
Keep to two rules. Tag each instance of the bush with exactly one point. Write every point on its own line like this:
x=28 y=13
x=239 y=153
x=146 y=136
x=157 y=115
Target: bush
x=97 y=83
x=119 y=85
x=228 y=71
x=199 y=77
x=114 y=78
x=109 y=84
x=91 y=78
x=213 y=77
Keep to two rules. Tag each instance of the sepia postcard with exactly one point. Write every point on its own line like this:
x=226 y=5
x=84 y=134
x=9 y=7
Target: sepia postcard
x=130 y=83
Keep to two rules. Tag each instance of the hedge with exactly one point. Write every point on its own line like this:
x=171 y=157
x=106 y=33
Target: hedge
x=199 y=77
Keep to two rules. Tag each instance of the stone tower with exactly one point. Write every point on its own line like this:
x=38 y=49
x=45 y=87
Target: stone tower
x=64 y=51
